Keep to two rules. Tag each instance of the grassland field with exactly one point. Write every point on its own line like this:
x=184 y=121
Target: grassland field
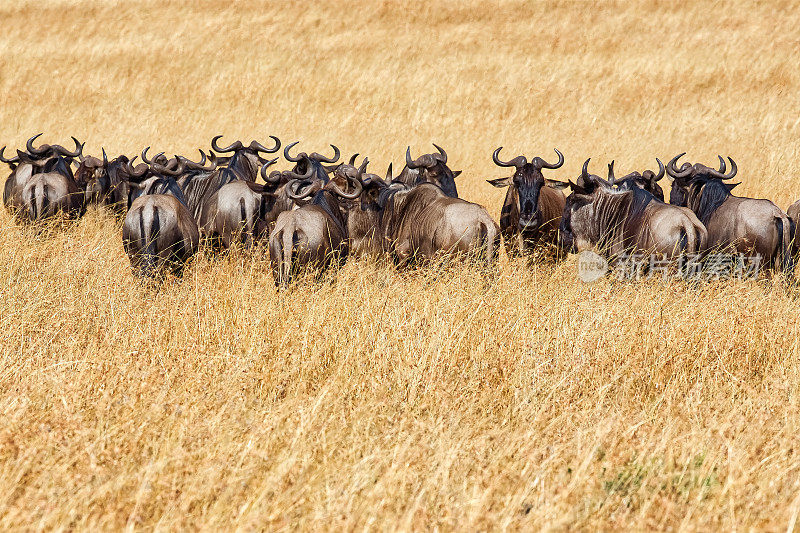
x=380 y=399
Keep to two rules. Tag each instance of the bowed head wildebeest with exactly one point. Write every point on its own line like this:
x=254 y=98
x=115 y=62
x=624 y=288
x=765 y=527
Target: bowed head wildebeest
x=430 y=168
x=314 y=235
x=630 y=220
x=42 y=184
x=533 y=205
x=735 y=224
x=416 y=224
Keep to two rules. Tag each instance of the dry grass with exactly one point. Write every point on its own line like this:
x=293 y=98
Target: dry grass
x=386 y=400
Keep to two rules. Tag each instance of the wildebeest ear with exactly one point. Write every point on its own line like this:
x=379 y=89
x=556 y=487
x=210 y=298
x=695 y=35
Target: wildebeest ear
x=730 y=186
x=557 y=184
x=456 y=173
x=500 y=182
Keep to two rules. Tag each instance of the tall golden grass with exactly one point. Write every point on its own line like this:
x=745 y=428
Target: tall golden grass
x=379 y=399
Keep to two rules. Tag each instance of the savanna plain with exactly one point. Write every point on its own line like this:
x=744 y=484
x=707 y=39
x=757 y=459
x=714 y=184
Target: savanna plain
x=378 y=398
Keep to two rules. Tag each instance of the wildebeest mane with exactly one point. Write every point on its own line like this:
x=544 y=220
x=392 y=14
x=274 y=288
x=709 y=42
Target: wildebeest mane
x=639 y=201
x=705 y=196
x=198 y=187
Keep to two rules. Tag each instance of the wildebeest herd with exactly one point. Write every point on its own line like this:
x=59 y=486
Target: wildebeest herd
x=321 y=210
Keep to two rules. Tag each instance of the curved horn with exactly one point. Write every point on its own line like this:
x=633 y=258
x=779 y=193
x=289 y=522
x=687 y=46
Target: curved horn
x=31 y=149
x=172 y=173
x=66 y=153
x=352 y=161
x=298 y=189
x=263 y=172
x=105 y=158
x=518 y=161
x=232 y=148
x=191 y=165
x=356 y=186
x=363 y=167
x=410 y=163
x=309 y=173
x=674 y=172
x=323 y=159
x=585 y=169
x=722 y=167
x=144 y=156
x=442 y=154
x=290 y=158
x=554 y=165
x=389 y=174
x=424 y=161
x=729 y=175
x=132 y=172
x=660 y=170
x=11 y=161
x=258 y=147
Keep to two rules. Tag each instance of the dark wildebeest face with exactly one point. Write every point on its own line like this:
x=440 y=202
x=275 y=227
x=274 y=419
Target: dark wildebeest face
x=526 y=184
x=697 y=174
x=430 y=168
x=647 y=180
x=92 y=176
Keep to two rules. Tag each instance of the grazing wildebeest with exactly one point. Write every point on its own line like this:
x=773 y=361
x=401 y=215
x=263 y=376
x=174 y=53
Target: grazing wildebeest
x=430 y=168
x=647 y=180
x=314 y=234
x=533 y=206
x=735 y=224
x=42 y=184
x=159 y=234
x=312 y=164
x=618 y=221
x=419 y=223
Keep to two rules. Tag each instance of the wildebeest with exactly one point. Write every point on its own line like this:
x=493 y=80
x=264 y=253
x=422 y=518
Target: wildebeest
x=159 y=234
x=647 y=180
x=533 y=205
x=743 y=225
x=430 y=168
x=314 y=234
x=199 y=184
x=617 y=221
x=108 y=183
x=242 y=211
x=419 y=223
x=42 y=183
